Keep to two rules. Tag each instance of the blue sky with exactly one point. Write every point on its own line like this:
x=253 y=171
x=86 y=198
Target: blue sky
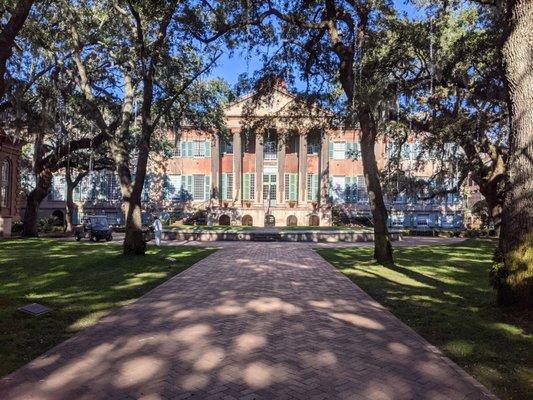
x=231 y=66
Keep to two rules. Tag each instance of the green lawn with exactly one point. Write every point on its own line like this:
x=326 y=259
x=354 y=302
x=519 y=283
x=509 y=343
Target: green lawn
x=81 y=282
x=443 y=293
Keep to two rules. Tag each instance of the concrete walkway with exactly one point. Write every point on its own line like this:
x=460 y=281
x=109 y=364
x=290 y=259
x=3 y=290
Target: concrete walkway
x=252 y=321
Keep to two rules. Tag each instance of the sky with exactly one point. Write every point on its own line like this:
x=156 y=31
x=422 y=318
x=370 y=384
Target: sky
x=231 y=66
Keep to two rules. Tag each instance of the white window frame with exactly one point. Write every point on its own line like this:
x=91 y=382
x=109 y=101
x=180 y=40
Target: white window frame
x=339 y=150
x=198 y=187
x=198 y=148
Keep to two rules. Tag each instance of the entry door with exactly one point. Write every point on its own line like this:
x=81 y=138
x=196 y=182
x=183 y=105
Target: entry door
x=269 y=188
x=270 y=220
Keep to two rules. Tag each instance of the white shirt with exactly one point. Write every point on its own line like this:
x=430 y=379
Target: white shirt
x=158 y=227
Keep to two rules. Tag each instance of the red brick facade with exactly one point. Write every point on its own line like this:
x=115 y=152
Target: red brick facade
x=9 y=183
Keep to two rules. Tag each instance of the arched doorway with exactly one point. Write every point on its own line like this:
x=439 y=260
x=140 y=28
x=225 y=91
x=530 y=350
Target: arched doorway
x=292 y=220
x=224 y=219
x=270 y=220
x=59 y=217
x=247 y=220
x=314 y=220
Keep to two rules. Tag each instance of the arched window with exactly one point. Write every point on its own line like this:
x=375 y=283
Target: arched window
x=5 y=183
x=247 y=220
x=314 y=220
x=292 y=220
x=224 y=220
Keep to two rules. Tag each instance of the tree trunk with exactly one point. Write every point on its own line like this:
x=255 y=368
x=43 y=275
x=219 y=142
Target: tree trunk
x=382 y=243
x=134 y=243
x=517 y=219
x=494 y=199
x=70 y=208
x=9 y=34
x=33 y=202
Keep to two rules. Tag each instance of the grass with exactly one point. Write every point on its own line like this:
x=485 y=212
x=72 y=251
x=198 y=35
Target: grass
x=443 y=293
x=81 y=282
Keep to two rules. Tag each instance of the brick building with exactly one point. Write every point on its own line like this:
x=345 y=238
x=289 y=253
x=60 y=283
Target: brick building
x=9 y=190
x=268 y=179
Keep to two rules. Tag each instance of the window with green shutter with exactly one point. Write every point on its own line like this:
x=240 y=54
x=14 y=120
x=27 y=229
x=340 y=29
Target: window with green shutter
x=353 y=150
x=177 y=148
x=312 y=187
x=226 y=189
x=291 y=187
x=337 y=150
x=248 y=190
x=184 y=149
x=351 y=189
x=362 y=194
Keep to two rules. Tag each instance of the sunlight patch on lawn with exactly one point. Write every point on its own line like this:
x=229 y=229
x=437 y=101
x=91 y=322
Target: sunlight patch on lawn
x=87 y=321
x=443 y=292
x=507 y=329
x=459 y=348
x=81 y=282
x=140 y=279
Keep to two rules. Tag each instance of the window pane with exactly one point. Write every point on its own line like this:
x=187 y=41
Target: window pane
x=199 y=148
x=339 y=150
x=198 y=187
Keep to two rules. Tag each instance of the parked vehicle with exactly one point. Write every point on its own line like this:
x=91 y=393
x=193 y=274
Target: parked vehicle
x=95 y=228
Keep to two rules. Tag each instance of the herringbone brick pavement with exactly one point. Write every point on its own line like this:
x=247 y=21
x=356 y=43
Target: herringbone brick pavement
x=252 y=321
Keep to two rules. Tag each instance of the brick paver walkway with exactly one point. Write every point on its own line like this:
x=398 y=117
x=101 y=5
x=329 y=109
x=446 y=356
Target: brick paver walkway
x=252 y=321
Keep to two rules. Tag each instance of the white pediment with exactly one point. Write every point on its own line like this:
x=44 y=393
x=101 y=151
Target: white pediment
x=277 y=103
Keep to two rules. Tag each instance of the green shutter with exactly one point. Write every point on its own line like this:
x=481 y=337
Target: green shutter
x=351 y=183
x=189 y=186
x=224 y=186
x=286 y=189
x=183 y=148
x=315 y=187
x=189 y=148
x=208 y=148
x=207 y=187
x=291 y=187
x=330 y=144
x=349 y=151
x=294 y=187
x=246 y=187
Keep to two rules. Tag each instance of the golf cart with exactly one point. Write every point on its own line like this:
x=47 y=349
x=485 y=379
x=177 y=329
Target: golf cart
x=94 y=227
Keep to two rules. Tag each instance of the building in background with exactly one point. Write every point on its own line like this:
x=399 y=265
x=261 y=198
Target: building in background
x=9 y=183
x=278 y=177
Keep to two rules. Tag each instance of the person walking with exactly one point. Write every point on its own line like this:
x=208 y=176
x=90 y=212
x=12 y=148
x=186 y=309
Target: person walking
x=158 y=230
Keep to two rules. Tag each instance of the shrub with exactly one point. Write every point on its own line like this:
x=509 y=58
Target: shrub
x=513 y=279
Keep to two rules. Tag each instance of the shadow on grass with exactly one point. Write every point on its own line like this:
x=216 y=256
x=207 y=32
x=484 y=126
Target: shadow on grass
x=80 y=282
x=443 y=293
